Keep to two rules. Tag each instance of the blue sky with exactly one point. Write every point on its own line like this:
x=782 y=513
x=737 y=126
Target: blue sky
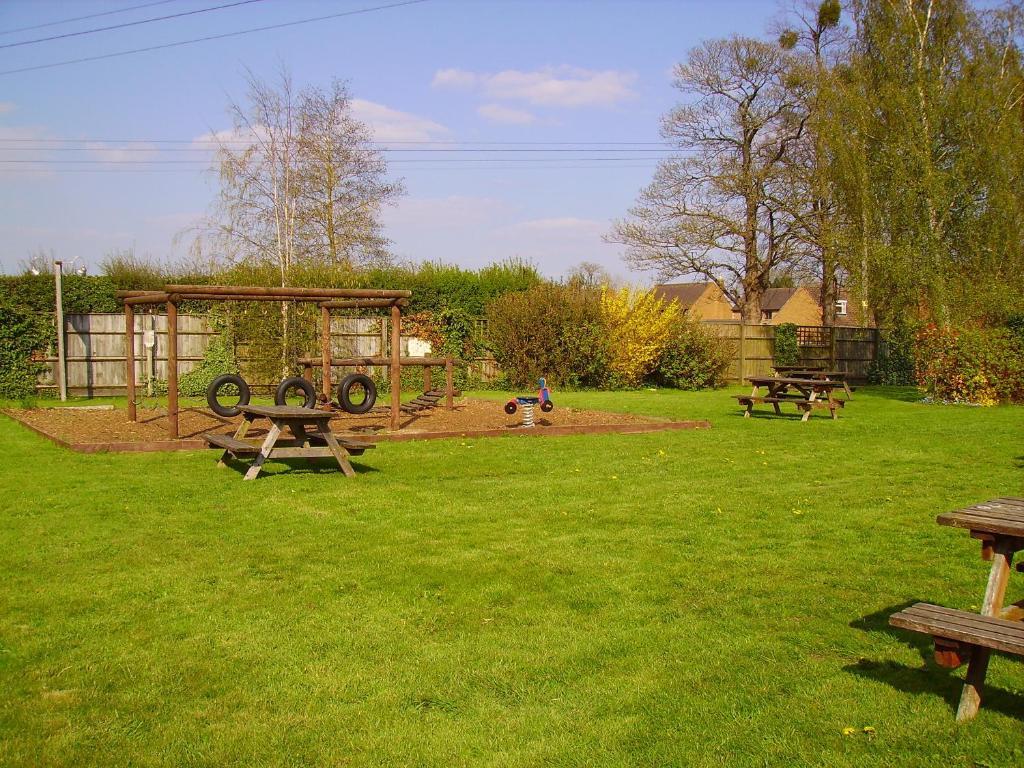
x=517 y=72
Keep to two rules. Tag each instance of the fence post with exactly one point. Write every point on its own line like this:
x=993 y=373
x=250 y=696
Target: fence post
x=832 y=363
x=743 y=351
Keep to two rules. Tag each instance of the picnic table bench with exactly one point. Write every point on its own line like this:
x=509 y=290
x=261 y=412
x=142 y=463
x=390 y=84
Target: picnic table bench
x=806 y=394
x=966 y=636
x=319 y=443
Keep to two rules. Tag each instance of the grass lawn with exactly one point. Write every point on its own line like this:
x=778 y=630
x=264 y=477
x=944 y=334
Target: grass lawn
x=695 y=598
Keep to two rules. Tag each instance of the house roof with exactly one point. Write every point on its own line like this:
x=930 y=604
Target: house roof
x=686 y=294
x=775 y=299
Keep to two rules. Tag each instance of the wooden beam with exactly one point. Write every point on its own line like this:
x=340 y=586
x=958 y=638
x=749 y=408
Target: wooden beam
x=172 y=370
x=325 y=349
x=449 y=385
x=396 y=365
x=135 y=294
x=316 y=362
x=288 y=292
x=364 y=303
x=237 y=297
x=149 y=298
x=129 y=358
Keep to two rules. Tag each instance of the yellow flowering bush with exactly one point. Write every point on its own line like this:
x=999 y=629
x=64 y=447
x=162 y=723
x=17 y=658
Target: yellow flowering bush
x=638 y=326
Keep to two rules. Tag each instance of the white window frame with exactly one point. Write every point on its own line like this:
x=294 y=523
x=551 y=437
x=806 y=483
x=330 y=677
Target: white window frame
x=841 y=306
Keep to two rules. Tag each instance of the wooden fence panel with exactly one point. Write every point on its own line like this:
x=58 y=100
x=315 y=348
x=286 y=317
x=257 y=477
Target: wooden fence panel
x=95 y=348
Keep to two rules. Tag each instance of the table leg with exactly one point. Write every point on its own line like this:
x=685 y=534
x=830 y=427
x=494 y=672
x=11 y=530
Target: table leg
x=970 y=699
x=264 y=454
x=849 y=392
x=810 y=396
x=340 y=454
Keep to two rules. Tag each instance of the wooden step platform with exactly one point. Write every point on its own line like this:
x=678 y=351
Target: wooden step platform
x=428 y=399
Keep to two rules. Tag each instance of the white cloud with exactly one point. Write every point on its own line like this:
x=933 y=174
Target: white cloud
x=567 y=225
x=496 y=113
x=462 y=210
x=392 y=125
x=7 y=106
x=550 y=86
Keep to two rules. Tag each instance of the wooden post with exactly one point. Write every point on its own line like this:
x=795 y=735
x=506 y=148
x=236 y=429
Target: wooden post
x=129 y=359
x=62 y=360
x=428 y=384
x=172 y=370
x=396 y=364
x=325 y=351
x=449 y=384
x=832 y=362
x=742 y=351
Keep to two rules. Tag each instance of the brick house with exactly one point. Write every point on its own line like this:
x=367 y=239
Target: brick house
x=701 y=301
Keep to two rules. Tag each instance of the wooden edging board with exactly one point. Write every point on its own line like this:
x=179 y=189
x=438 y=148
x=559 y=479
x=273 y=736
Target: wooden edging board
x=199 y=444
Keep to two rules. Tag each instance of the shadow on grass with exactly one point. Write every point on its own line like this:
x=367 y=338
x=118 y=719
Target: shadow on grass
x=273 y=467
x=903 y=394
x=930 y=679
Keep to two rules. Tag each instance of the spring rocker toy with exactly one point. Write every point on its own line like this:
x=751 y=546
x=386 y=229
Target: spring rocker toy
x=543 y=398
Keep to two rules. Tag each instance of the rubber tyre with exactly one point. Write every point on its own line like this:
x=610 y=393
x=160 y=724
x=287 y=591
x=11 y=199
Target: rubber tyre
x=214 y=389
x=511 y=407
x=296 y=382
x=547 y=406
x=345 y=388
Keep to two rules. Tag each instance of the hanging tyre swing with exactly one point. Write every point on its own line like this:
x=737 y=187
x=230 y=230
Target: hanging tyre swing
x=223 y=385
x=297 y=385
x=351 y=385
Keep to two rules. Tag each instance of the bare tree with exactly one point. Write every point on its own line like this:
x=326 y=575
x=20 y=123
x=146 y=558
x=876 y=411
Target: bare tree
x=712 y=211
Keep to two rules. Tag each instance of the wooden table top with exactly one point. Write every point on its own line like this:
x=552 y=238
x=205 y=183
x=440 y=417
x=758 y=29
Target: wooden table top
x=285 y=412
x=794 y=381
x=1001 y=517
x=808 y=372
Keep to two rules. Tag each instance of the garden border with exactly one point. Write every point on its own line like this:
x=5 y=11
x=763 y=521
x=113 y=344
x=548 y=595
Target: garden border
x=198 y=444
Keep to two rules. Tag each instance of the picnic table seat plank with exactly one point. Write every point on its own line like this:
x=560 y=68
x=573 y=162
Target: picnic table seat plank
x=962 y=626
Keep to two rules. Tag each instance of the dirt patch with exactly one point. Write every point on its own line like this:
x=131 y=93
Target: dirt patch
x=111 y=430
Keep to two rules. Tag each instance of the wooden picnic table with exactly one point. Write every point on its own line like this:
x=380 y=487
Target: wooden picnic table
x=785 y=369
x=806 y=394
x=959 y=635
x=319 y=443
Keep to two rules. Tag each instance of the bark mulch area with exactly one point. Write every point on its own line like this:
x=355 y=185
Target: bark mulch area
x=109 y=430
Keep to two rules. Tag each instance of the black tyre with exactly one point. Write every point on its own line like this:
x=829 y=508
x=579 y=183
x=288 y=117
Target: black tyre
x=510 y=407
x=213 y=393
x=547 y=406
x=357 y=381
x=296 y=383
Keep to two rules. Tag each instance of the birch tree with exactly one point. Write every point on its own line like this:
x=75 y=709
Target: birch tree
x=300 y=183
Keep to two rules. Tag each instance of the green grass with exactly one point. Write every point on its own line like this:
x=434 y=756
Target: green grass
x=696 y=598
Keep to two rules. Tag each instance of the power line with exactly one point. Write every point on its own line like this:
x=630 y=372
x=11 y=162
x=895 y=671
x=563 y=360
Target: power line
x=383 y=150
x=128 y=24
x=424 y=142
x=203 y=164
x=87 y=16
x=211 y=37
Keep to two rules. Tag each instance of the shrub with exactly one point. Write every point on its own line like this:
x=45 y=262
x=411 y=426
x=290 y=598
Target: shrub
x=787 y=350
x=894 y=364
x=638 y=325
x=22 y=334
x=980 y=366
x=549 y=330
x=218 y=359
x=695 y=357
